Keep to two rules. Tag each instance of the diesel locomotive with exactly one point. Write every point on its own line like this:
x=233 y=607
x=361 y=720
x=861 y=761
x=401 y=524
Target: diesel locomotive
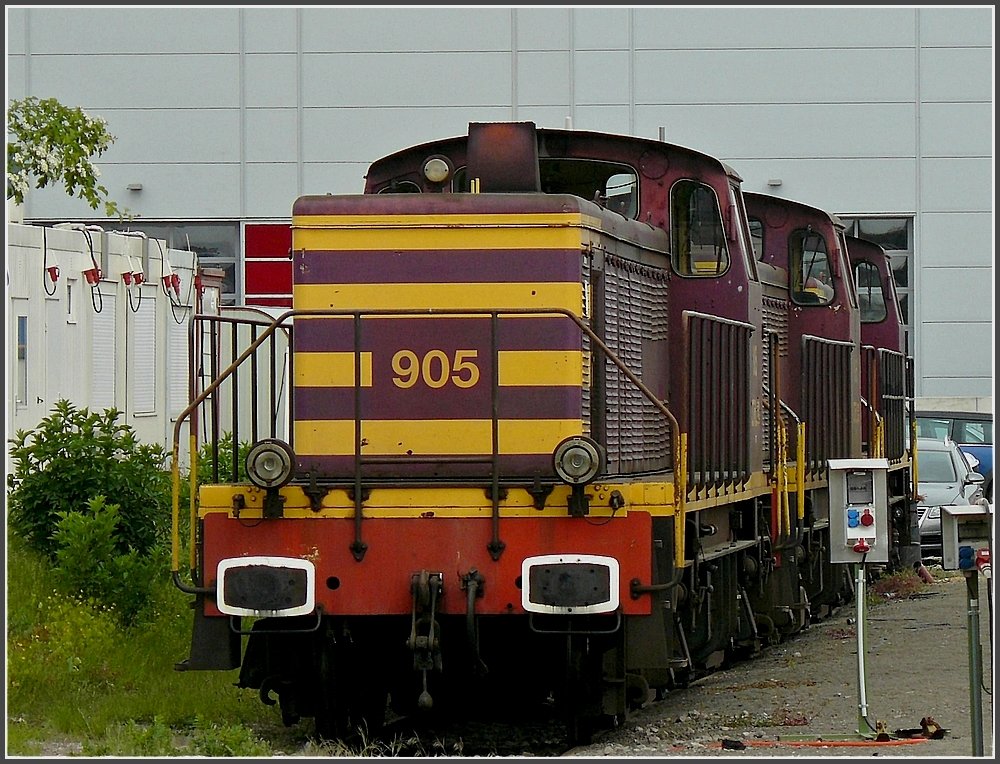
x=548 y=422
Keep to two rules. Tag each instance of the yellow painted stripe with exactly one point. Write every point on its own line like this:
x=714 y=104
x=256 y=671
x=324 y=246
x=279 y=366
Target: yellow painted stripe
x=436 y=238
x=438 y=296
x=540 y=367
x=412 y=502
x=460 y=437
x=331 y=369
x=441 y=221
x=656 y=498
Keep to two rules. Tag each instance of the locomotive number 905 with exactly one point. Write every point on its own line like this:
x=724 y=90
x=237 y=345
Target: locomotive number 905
x=435 y=369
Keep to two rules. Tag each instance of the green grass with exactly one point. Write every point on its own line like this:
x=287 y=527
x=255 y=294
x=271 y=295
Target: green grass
x=77 y=684
x=74 y=675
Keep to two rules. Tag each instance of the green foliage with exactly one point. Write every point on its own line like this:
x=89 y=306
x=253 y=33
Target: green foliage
x=133 y=739
x=66 y=651
x=225 y=458
x=53 y=143
x=89 y=563
x=204 y=472
x=74 y=674
x=75 y=455
x=158 y=739
x=230 y=740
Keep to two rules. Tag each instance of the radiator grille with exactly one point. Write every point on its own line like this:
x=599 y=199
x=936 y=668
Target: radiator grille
x=635 y=309
x=826 y=400
x=775 y=318
x=719 y=402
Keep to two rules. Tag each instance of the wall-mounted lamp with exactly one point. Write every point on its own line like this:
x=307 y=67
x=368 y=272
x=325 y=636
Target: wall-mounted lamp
x=134 y=186
x=774 y=182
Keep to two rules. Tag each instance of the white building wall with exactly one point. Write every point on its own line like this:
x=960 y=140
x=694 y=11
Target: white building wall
x=230 y=113
x=110 y=345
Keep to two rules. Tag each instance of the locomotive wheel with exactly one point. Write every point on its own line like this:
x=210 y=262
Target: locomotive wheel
x=581 y=694
x=348 y=698
x=333 y=718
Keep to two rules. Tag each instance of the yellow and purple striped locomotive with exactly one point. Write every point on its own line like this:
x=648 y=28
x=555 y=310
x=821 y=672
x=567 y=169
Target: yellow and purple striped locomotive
x=534 y=445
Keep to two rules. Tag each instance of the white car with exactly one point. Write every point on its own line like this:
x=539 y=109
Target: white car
x=945 y=477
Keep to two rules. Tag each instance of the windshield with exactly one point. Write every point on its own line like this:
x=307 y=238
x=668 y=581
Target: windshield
x=935 y=467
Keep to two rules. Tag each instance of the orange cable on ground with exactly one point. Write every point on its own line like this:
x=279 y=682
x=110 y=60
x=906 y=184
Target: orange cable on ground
x=825 y=743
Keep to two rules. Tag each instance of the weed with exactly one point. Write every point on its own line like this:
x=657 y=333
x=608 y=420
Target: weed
x=899 y=585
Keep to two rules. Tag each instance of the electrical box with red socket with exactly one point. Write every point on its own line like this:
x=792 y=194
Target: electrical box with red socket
x=967 y=537
x=859 y=514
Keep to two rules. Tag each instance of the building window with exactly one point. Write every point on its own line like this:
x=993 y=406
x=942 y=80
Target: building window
x=21 y=394
x=216 y=245
x=70 y=301
x=895 y=236
x=267 y=275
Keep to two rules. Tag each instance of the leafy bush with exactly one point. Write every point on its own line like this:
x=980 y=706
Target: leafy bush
x=89 y=564
x=75 y=455
x=225 y=458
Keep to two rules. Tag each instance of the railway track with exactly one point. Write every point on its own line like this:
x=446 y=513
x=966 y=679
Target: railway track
x=530 y=732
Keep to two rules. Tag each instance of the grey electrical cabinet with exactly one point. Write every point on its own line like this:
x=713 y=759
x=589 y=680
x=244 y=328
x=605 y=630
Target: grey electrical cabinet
x=966 y=531
x=859 y=512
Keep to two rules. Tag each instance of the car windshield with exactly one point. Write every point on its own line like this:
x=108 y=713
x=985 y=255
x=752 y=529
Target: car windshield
x=928 y=427
x=936 y=467
x=973 y=433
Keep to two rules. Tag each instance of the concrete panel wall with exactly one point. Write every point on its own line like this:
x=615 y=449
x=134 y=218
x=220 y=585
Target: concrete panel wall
x=230 y=113
x=749 y=28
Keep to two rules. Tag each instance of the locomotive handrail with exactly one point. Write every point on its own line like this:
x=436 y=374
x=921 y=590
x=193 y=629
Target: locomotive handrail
x=279 y=322
x=800 y=455
x=191 y=408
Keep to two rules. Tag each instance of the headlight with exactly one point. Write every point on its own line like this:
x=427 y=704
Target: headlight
x=934 y=513
x=437 y=169
x=270 y=463
x=577 y=460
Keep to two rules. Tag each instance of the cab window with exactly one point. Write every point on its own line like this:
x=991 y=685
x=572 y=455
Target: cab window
x=697 y=237
x=870 y=298
x=812 y=282
x=757 y=236
x=612 y=185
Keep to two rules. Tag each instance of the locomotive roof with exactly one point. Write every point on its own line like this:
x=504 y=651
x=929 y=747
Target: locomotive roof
x=801 y=206
x=857 y=246
x=577 y=137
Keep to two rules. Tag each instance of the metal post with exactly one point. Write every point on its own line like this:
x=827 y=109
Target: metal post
x=975 y=661
x=860 y=597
